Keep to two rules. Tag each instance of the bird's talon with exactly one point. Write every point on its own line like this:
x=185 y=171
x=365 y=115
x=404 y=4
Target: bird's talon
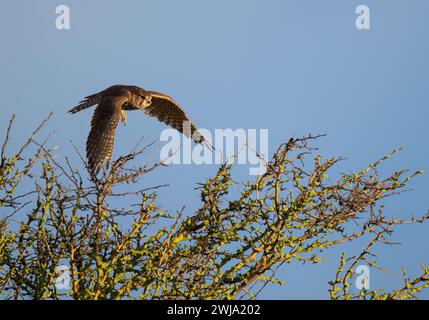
x=105 y=119
x=124 y=117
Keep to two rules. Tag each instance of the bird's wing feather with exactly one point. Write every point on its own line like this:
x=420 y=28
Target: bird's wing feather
x=101 y=138
x=166 y=110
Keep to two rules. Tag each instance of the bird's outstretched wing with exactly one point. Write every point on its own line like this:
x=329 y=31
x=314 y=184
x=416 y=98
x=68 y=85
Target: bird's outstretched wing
x=99 y=145
x=166 y=110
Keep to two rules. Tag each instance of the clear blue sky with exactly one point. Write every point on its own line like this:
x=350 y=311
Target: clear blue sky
x=293 y=67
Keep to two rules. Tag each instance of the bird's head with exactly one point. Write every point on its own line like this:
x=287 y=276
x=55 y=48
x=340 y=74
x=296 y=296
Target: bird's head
x=147 y=100
x=142 y=98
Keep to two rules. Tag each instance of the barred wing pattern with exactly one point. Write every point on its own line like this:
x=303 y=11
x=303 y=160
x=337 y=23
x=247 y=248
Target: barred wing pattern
x=166 y=110
x=99 y=146
x=112 y=103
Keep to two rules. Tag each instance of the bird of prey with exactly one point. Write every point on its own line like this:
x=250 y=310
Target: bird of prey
x=111 y=105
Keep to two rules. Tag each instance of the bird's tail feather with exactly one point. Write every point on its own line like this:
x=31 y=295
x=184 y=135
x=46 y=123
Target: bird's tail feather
x=87 y=102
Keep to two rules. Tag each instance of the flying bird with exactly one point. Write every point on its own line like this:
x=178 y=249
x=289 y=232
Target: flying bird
x=111 y=106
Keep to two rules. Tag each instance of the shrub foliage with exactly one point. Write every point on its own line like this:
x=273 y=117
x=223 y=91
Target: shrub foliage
x=231 y=247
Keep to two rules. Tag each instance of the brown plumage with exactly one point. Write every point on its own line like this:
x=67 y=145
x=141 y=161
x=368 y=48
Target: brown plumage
x=112 y=102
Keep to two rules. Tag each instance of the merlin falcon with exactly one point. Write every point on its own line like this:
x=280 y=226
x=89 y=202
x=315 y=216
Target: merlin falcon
x=111 y=106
